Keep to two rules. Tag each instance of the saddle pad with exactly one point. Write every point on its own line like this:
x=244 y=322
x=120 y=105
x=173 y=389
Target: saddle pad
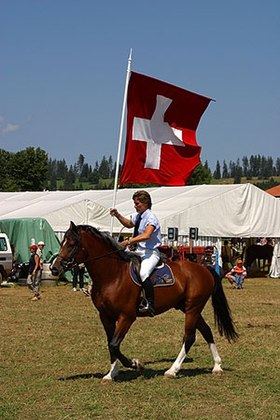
x=161 y=276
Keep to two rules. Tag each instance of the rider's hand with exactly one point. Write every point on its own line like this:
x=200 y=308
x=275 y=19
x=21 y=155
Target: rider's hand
x=113 y=212
x=124 y=244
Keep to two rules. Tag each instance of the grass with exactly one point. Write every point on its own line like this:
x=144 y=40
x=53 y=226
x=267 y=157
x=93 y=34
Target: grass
x=53 y=355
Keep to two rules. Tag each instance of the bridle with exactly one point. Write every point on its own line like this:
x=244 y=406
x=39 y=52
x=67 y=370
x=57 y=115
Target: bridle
x=69 y=262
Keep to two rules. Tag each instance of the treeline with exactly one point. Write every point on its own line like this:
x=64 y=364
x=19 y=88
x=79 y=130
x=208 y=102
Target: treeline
x=81 y=175
x=257 y=166
x=32 y=170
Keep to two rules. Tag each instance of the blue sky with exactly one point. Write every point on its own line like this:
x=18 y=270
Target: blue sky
x=63 y=68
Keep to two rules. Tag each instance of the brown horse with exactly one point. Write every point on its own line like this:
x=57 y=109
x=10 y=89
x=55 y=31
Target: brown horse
x=117 y=297
x=258 y=252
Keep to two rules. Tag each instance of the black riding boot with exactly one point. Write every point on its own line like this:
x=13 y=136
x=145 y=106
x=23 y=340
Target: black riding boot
x=149 y=293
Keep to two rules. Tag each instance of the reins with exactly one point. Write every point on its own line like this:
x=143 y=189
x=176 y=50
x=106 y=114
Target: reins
x=70 y=262
x=101 y=256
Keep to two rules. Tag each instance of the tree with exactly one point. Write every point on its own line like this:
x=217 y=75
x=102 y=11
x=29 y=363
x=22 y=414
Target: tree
x=104 y=170
x=53 y=183
x=206 y=165
x=5 y=158
x=200 y=175
x=61 y=169
x=266 y=167
x=231 y=170
x=69 y=180
x=255 y=165
x=225 y=170
x=94 y=174
x=110 y=166
x=238 y=173
x=79 y=165
x=29 y=169
x=245 y=163
x=277 y=166
x=84 y=175
x=217 y=172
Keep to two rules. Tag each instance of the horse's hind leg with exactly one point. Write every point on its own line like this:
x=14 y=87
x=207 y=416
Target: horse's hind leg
x=206 y=333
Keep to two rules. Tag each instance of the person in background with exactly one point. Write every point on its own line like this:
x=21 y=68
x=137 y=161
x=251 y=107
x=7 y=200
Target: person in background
x=147 y=238
x=40 y=252
x=236 y=275
x=263 y=241
x=34 y=270
x=226 y=256
x=78 y=272
x=235 y=251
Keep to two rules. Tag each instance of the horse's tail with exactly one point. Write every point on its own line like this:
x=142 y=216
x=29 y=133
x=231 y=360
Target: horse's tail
x=222 y=312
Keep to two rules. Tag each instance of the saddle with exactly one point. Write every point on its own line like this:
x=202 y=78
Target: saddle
x=161 y=276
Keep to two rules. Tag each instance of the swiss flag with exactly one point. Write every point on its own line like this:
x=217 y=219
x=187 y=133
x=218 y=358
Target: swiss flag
x=161 y=145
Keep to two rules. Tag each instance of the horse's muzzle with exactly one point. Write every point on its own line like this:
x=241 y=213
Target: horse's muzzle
x=60 y=265
x=55 y=271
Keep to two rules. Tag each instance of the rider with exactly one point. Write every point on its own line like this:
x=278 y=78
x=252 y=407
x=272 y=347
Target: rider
x=147 y=238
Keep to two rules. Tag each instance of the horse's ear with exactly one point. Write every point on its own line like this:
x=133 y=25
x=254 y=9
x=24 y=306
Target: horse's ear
x=73 y=226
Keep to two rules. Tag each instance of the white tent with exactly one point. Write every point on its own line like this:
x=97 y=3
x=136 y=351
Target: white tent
x=274 y=271
x=224 y=211
x=236 y=210
x=57 y=207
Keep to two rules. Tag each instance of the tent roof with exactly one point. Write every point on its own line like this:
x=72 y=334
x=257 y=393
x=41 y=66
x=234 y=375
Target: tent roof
x=58 y=207
x=236 y=210
x=275 y=191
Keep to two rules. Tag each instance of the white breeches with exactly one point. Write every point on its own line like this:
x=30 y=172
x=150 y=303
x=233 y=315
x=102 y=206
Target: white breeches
x=149 y=259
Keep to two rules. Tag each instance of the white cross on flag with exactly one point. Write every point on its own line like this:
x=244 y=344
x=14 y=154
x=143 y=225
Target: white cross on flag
x=161 y=145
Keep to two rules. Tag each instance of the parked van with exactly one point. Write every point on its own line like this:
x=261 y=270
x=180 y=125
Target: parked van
x=6 y=257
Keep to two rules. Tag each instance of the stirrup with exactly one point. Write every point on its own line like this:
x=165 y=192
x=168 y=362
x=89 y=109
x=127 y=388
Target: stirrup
x=145 y=308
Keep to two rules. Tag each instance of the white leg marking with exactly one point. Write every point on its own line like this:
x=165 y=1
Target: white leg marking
x=171 y=373
x=216 y=358
x=137 y=364
x=112 y=373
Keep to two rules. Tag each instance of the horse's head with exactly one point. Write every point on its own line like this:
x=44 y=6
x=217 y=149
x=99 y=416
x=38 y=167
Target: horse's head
x=71 y=251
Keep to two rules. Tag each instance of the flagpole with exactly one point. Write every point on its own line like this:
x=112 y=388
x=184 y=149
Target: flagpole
x=121 y=134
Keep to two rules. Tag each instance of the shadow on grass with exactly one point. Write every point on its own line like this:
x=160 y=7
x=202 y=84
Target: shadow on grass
x=126 y=376
x=81 y=376
x=132 y=375
x=168 y=360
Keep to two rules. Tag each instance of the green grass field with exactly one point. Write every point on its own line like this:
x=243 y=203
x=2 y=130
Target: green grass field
x=53 y=355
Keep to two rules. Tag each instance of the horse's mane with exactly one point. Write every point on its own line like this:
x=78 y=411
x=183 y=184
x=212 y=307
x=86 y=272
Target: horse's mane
x=110 y=241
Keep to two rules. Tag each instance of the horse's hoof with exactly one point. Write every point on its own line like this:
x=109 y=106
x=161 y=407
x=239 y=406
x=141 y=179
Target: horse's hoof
x=106 y=380
x=138 y=365
x=169 y=375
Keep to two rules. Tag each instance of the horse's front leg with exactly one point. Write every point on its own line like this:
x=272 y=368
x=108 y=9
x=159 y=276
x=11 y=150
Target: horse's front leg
x=109 y=327
x=115 y=334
